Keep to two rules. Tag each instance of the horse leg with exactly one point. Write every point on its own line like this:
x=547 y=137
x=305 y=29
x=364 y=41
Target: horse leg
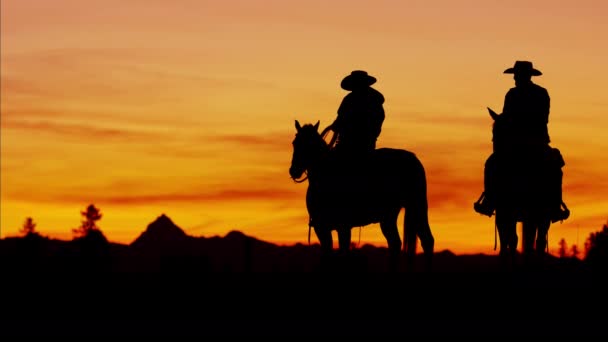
x=541 y=237
x=506 y=225
x=326 y=241
x=391 y=233
x=528 y=238
x=344 y=239
x=416 y=225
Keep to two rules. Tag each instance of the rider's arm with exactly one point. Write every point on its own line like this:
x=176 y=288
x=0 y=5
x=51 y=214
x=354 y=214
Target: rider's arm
x=507 y=107
x=338 y=122
x=546 y=105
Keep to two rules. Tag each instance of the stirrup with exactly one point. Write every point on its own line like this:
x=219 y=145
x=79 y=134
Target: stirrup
x=562 y=214
x=482 y=206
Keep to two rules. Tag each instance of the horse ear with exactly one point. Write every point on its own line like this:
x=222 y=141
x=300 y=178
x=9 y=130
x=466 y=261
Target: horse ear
x=317 y=125
x=298 y=127
x=492 y=113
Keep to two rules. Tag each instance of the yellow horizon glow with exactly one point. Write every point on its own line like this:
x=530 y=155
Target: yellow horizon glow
x=187 y=107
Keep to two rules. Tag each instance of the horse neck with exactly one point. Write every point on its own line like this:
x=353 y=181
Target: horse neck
x=318 y=162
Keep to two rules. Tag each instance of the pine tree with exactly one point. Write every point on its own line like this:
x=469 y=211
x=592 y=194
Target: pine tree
x=91 y=215
x=574 y=251
x=563 y=248
x=29 y=227
x=597 y=251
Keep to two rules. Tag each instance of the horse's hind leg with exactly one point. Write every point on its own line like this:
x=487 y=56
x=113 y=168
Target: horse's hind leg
x=326 y=241
x=416 y=225
x=416 y=221
x=528 y=238
x=541 y=238
x=391 y=233
x=344 y=260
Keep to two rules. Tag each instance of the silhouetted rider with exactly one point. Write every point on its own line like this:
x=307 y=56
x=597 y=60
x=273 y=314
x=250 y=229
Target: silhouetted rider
x=527 y=106
x=360 y=115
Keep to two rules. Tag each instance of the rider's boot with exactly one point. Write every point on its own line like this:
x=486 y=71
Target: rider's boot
x=559 y=210
x=560 y=213
x=484 y=205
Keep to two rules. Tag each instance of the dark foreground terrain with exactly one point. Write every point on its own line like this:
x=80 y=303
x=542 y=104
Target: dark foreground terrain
x=296 y=304
x=167 y=284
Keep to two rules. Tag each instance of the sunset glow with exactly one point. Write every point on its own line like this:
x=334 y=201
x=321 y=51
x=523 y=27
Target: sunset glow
x=187 y=107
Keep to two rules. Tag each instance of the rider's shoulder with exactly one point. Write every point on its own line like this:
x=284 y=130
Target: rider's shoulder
x=541 y=90
x=375 y=94
x=538 y=86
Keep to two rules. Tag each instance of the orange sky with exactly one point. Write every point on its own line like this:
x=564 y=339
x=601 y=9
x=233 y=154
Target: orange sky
x=187 y=107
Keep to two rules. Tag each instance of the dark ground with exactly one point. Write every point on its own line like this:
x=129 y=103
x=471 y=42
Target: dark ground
x=532 y=303
x=169 y=285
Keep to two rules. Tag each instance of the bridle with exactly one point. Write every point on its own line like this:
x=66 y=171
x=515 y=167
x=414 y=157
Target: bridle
x=330 y=145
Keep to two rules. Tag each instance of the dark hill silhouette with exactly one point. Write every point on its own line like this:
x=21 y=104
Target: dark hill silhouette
x=165 y=247
x=169 y=283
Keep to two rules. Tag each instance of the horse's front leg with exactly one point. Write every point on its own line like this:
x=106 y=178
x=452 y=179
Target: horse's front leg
x=506 y=225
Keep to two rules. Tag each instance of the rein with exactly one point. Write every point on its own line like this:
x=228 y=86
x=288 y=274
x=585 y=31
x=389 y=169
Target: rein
x=495 y=234
x=309 y=229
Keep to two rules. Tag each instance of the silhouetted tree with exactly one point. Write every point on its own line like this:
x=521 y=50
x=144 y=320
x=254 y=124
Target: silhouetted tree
x=91 y=215
x=597 y=254
x=29 y=227
x=574 y=252
x=31 y=247
x=91 y=249
x=563 y=248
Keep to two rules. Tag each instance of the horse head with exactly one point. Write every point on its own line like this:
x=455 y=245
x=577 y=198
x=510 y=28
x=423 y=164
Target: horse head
x=307 y=147
x=502 y=138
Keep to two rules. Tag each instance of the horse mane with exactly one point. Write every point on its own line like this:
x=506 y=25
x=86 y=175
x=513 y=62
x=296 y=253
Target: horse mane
x=502 y=138
x=312 y=131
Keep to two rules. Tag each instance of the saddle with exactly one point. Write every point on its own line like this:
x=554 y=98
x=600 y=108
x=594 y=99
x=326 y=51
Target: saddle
x=547 y=174
x=347 y=188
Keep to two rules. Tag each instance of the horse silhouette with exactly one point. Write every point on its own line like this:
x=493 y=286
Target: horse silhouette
x=373 y=189
x=523 y=191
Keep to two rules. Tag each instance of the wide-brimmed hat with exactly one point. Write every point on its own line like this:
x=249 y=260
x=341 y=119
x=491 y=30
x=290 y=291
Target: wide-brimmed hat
x=523 y=67
x=357 y=78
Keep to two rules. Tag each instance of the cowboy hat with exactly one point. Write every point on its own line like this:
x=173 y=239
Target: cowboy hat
x=523 y=67
x=357 y=78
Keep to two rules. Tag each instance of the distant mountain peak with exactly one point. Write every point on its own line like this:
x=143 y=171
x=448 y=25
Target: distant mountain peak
x=161 y=231
x=163 y=219
x=235 y=234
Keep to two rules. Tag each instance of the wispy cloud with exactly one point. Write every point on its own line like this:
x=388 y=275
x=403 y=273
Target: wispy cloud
x=265 y=141
x=445 y=118
x=222 y=196
x=82 y=132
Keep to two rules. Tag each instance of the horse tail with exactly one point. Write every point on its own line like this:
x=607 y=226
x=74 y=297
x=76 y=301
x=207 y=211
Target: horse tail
x=416 y=220
x=409 y=239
